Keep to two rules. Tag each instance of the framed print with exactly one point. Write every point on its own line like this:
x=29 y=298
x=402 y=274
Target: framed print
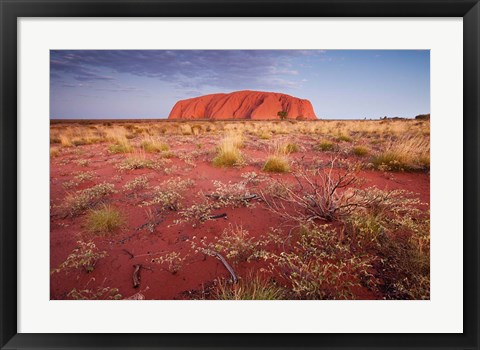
x=247 y=174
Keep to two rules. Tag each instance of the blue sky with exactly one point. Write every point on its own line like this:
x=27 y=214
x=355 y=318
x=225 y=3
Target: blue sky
x=341 y=84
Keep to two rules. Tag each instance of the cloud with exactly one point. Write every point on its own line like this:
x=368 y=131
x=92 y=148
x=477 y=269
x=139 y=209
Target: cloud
x=192 y=70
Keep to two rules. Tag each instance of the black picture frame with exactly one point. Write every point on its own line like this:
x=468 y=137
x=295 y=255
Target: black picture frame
x=11 y=10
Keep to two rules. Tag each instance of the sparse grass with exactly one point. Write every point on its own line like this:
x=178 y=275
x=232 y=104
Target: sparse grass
x=360 y=151
x=318 y=265
x=406 y=153
x=276 y=164
x=290 y=148
x=54 y=152
x=265 y=135
x=79 y=178
x=120 y=147
x=235 y=243
x=254 y=287
x=79 y=201
x=100 y=293
x=84 y=256
x=170 y=193
x=228 y=152
x=343 y=137
x=154 y=146
x=104 y=221
x=136 y=162
x=136 y=184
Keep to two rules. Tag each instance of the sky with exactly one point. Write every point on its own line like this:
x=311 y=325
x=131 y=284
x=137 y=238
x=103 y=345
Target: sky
x=340 y=84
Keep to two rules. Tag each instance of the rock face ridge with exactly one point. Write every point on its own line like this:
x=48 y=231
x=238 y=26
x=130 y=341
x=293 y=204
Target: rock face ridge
x=246 y=104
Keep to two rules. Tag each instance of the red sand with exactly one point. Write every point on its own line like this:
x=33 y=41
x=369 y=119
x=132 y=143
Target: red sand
x=243 y=105
x=198 y=271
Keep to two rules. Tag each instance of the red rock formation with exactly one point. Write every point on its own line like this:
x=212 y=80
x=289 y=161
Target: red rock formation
x=243 y=105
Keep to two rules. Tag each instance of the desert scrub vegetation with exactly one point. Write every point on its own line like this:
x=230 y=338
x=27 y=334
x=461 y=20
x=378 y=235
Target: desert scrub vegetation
x=405 y=153
x=235 y=243
x=318 y=265
x=319 y=194
x=152 y=145
x=79 y=178
x=104 y=221
x=77 y=202
x=169 y=193
x=84 y=256
x=54 y=152
x=136 y=162
x=228 y=151
x=290 y=147
x=172 y=261
x=325 y=146
x=360 y=151
x=254 y=287
x=277 y=161
x=395 y=229
x=138 y=183
x=120 y=147
x=276 y=164
x=99 y=293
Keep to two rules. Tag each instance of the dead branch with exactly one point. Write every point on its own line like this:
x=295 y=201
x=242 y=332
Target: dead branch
x=224 y=262
x=128 y=253
x=219 y=216
x=136 y=275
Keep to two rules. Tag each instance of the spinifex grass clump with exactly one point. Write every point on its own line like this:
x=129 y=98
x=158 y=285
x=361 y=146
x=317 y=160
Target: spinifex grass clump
x=406 y=153
x=104 y=221
x=152 y=145
x=228 y=151
x=120 y=147
x=360 y=151
x=325 y=146
x=253 y=287
x=276 y=164
x=277 y=161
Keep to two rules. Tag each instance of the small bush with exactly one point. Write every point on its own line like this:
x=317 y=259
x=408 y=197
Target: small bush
x=104 y=221
x=136 y=163
x=85 y=256
x=325 y=146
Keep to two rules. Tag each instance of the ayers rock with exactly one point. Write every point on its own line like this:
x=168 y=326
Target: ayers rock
x=247 y=104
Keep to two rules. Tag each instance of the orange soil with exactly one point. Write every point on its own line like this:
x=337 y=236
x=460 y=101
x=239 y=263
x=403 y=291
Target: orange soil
x=198 y=271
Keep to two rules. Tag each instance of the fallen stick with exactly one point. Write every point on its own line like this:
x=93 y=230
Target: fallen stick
x=136 y=275
x=226 y=264
x=223 y=215
x=130 y=254
x=244 y=198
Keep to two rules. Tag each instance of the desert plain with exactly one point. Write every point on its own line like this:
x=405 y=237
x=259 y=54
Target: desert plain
x=240 y=209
